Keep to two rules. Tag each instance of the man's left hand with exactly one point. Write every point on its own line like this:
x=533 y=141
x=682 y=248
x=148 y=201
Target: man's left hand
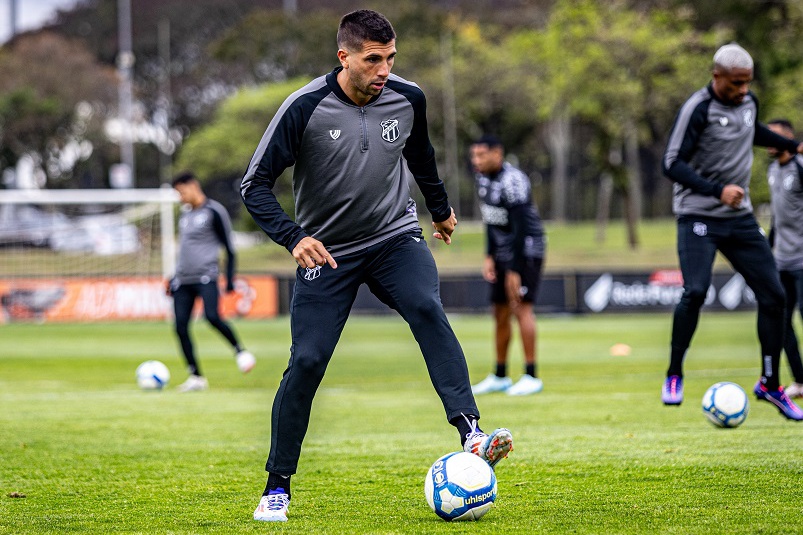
x=444 y=229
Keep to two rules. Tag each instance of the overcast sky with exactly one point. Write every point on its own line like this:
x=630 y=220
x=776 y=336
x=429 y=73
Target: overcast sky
x=30 y=14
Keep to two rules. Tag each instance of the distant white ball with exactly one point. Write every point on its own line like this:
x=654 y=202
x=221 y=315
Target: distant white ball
x=725 y=404
x=152 y=375
x=460 y=486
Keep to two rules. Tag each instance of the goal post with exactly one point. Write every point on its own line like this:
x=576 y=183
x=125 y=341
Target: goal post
x=66 y=226
x=100 y=255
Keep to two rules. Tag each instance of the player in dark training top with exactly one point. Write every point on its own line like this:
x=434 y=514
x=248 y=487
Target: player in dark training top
x=513 y=262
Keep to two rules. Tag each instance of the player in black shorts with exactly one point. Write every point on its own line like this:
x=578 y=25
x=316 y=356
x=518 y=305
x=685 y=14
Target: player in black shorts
x=513 y=263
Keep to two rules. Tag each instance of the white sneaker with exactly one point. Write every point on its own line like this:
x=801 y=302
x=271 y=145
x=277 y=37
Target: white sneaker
x=490 y=448
x=245 y=361
x=272 y=508
x=194 y=383
x=492 y=383
x=794 y=390
x=526 y=386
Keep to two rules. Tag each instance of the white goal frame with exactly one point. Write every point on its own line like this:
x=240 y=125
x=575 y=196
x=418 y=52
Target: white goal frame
x=165 y=197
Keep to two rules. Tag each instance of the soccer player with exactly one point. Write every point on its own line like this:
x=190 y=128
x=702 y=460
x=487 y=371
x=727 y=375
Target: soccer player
x=709 y=155
x=203 y=228
x=514 y=258
x=785 y=178
x=354 y=136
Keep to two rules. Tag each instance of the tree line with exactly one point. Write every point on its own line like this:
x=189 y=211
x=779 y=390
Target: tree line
x=583 y=93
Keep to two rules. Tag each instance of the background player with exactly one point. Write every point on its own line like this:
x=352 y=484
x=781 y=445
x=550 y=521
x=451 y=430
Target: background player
x=786 y=237
x=709 y=156
x=514 y=259
x=203 y=228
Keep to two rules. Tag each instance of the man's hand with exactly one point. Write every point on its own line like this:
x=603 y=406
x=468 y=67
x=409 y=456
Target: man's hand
x=444 y=229
x=489 y=269
x=800 y=148
x=732 y=195
x=168 y=288
x=309 y=253
x=513 y=287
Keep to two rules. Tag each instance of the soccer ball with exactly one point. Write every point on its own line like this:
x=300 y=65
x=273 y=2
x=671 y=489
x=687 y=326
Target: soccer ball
x=460 y=486
x=152 y=375
x=725 y=404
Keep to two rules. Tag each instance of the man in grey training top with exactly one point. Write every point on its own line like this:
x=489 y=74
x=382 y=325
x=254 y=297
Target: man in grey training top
x=785 y=178
x=354 y=137
x=203 y=229
x=709 y=156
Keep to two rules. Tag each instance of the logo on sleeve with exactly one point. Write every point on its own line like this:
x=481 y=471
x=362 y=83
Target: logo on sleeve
x=747 y=115
x=334 y=134
x=390 y=130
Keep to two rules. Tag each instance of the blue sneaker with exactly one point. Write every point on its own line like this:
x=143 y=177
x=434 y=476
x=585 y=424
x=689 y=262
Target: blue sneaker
x=273 y=507
x=779 y=398
x=672 y=392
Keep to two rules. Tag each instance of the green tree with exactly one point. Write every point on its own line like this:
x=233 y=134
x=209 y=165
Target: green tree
x=620 y=72
x=222 y=148
x=53 y=97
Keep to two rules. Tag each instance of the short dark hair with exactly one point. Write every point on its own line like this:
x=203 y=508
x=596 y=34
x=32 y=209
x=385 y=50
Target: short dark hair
x=363 y=25
x=491 y=140
x=183 y=178
x=784 y=123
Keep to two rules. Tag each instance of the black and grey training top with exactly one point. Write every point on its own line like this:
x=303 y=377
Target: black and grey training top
x=786 y=188
x=711 y=146
x=352 y=163
x=513 y=226
x=202 y=232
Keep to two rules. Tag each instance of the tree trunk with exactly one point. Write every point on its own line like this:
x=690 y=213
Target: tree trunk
x=633 y=193
x=558 y=140
x=604 y=205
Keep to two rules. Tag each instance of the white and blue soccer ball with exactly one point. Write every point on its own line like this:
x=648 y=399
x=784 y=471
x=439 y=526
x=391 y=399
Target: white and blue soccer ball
x=152 y=375
x=460 y=486
x=725 y=404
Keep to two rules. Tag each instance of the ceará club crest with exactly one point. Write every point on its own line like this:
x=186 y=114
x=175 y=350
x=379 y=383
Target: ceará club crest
x=390 y=130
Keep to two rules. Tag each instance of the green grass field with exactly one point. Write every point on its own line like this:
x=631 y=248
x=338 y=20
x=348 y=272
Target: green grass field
x=596 y=452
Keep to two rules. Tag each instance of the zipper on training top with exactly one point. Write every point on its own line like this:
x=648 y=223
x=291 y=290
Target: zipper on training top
x=364 y=128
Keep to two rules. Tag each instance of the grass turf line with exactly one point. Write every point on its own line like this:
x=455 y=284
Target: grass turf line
x=596 y=452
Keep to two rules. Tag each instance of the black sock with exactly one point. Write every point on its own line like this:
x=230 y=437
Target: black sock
x=238 y=348
x=501 y=370
x=275 y=481
x=529 y=369
x=463 y=425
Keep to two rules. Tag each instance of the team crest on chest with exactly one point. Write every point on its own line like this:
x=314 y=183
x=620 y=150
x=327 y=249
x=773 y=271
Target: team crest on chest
x=390 y=130
x=747 y=115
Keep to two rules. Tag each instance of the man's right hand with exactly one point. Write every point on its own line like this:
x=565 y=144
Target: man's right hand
x=309 y=253
x=732 y=195
x=489 y=269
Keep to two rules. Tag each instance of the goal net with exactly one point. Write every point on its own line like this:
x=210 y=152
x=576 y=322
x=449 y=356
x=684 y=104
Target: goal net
x=54 y=243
